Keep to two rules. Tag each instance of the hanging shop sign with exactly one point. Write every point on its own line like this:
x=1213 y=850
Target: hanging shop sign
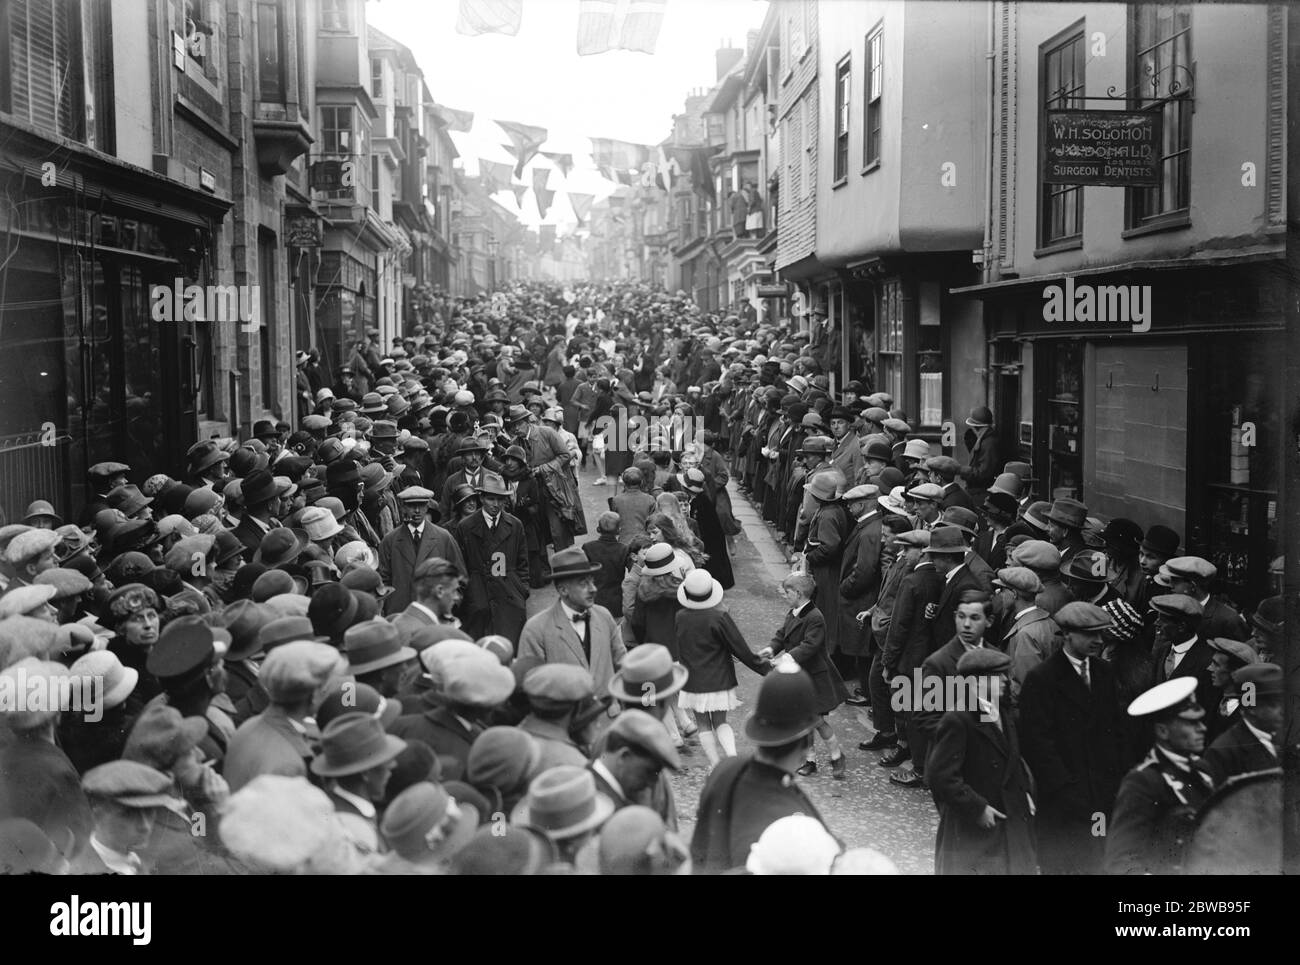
x=1115 y=148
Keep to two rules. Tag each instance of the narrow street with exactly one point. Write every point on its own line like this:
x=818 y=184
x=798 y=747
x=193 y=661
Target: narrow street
x=865 y=810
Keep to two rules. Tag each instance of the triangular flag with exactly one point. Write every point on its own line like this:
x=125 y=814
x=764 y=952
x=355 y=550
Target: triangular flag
x=489 y=17
x=562 y=161
x=540 y=177
x=622 y=155
x=519 y=191
x=544 y=199
x=581 y=205
x=668 y=169
x=453 y=119
x=619 y=25
x=497 y=174
x=524 y=142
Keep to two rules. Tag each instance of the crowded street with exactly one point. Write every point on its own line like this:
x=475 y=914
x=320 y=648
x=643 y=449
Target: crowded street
x=646 y=438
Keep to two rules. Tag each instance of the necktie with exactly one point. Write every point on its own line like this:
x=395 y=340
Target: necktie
x=1171 y=663
x=585 y=619
x=1083 y=672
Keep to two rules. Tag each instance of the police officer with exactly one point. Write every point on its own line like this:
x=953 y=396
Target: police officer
x=1156 y=807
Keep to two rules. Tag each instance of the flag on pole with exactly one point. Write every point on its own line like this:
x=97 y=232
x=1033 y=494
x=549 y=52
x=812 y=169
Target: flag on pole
x=619 y=25
x=524 y=142
x=489 y=17
x=452 y=119
x=562 y=161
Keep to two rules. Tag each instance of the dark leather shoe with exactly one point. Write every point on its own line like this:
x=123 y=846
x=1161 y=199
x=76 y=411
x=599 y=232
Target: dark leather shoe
x=806 y=768
x=838 y=767
x=879 y=743
x=895 y=757
x=907 y=779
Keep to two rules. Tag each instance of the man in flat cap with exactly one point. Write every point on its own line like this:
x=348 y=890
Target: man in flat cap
x=982 y=787
x=297 y=675
x=104 y=478
x=554 y=693
x=637 y=749
x=30 y=554
x=1029 y=632
x=1155 y=809
x=1180 y=649
x=126 y=798
x=943 y=473
x=1253 y=742
x=1070 y=723
x=412 y=542
x=1192 y=575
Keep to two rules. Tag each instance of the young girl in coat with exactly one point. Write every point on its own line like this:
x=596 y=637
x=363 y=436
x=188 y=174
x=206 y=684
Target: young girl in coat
x=803 y=638
x=709 y=643
x=653 y=617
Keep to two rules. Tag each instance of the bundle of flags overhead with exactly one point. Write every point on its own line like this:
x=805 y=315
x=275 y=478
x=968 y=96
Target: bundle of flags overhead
x=619 y=25
x=603 y=25
x=489 y=17
x=525 y=139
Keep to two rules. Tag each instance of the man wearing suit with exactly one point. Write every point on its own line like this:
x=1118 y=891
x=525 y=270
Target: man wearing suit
x=848 y=457
x=1251 y=743
x=1069 y=722
x=859 y=586
x=410 y=544
x=966 y=521
x=258 y=493
x=906 y=645
x=947 y=550
x=496 y=561
x=970 y=620
x=1180 y=650
x=436 y=588
x=943 y=473
x=575 y=629
x=471 y=472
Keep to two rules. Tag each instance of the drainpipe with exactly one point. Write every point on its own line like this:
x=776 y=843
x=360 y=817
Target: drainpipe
x=991 y=56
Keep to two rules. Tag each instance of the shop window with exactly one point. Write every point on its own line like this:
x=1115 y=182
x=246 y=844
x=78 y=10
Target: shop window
x=1061 y=73
x=1242 y=452
x=929 y=358
x=890 y=351
x=1064 y=420
x=1160 y=67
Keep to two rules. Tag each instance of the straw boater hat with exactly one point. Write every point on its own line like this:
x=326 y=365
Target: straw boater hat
x=660 y=559
x=699 y=591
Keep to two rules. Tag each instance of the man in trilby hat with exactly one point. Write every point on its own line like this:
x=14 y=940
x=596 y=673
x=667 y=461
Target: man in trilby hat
x=495 y=548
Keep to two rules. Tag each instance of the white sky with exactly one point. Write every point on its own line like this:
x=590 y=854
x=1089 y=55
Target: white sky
x=536 y=77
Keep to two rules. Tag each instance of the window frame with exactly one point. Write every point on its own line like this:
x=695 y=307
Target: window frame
x=843 y=120
x=1136 y=223
x=1075 y=34
x=281 y=58
x=873 y=78
x=342 y=7
x=377 y=78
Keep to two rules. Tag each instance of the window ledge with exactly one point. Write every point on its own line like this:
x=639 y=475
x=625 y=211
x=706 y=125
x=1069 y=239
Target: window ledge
x=1056 y=247
x=873 y=166
x=839 y=182
x=1174 y=222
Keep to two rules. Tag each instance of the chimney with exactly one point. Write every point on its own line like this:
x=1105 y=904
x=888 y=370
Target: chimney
x=727 y=58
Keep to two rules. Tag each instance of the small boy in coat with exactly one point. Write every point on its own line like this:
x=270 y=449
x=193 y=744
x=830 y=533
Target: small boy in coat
x=613 y=558
x=803 y=637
